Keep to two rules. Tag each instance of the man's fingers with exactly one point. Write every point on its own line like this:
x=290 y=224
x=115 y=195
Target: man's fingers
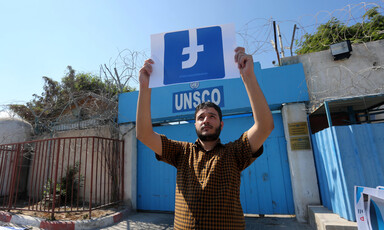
x=241 y=49
x=240 y=52
x=240 y=59
x=147 y=67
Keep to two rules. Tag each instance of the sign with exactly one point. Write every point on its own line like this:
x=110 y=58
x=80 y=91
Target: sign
x=298 y=128
x=189 y=100
x=300 y=143
x=193 y=55
x=369 y=207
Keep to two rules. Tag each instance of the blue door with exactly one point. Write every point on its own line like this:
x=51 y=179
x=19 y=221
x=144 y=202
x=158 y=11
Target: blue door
x=265 y=185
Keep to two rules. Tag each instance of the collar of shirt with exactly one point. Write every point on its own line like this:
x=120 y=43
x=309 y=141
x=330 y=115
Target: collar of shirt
x=198 y=144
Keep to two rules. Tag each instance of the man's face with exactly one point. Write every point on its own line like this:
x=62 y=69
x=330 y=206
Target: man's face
x=208 y=125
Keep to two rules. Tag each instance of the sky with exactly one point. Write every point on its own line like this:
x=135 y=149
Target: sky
x=42 y=37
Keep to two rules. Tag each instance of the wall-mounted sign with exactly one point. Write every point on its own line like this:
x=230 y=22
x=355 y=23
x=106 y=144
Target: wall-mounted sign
x=298 y=128
x=193 y=55
x=300 y=143
x=188 y=100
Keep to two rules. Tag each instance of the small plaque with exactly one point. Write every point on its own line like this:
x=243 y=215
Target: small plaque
x=300 y=143
x=298 y=129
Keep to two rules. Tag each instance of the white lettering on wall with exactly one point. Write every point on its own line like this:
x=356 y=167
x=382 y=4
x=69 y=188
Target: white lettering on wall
x=184 y=101
x=196 y=99
x=188 y=100
x=218 y=96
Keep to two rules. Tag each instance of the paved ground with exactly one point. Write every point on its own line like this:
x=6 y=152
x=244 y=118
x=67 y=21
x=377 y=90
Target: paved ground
x=163 y=221
x=155 y=221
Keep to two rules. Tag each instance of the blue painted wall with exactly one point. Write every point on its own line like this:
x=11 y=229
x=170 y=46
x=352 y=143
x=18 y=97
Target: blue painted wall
x=280 y=85
x=265 y=184
x=346 y=156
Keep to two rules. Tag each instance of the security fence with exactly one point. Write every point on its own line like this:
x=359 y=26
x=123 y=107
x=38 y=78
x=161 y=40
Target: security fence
x=72 y=174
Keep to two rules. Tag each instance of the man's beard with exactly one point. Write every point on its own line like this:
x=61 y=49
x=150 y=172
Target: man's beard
x=210 y=137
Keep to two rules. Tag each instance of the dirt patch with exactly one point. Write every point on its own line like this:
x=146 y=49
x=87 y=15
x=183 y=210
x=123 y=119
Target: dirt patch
x=71 y=215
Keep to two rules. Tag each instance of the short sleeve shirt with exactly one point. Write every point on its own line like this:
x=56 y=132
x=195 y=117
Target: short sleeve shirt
x=208 y=182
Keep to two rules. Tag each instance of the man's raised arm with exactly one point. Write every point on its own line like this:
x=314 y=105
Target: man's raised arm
x=262 y=116
x=144 y=130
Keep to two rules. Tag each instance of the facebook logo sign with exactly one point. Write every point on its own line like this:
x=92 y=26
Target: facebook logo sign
x=193 y=55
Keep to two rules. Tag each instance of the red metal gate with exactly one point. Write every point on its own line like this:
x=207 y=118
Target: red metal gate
x=62 y=174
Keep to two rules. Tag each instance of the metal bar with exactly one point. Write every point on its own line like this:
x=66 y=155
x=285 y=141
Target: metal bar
x=3 y=171
x=52 y=156
x=66 y=184
x=328 y=112
x=280 y=41
x=293 y=38
x=13 y=180
x=54 y=189
x=74 y=166
x=276 y=49
x=43 y=169
x=61 y=172
x=32 y=176
x=111 y=168
x=122 y=168
x=79 y=176
x=85 y=170
x=19 y=165
x=90 y=193
x=104 y=153
x=97 y=170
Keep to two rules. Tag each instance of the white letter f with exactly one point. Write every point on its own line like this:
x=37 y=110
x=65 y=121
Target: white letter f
x=192 y=50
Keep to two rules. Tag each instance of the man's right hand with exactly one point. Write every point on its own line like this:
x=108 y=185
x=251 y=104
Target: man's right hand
x=145 y=72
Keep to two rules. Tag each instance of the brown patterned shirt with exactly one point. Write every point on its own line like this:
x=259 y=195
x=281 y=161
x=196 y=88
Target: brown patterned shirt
x=208 y=182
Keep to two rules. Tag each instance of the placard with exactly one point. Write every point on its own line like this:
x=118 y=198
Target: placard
x=193 y=55
x=298 y=128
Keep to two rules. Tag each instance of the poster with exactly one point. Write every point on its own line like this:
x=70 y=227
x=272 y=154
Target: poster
x=193 y=55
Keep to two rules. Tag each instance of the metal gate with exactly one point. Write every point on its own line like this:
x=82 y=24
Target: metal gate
x=60 y=175
x=265 y=185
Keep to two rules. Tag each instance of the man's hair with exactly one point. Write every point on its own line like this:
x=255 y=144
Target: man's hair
x=209 y=104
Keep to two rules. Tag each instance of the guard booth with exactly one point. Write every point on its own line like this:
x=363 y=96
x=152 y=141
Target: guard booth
x=266 y=185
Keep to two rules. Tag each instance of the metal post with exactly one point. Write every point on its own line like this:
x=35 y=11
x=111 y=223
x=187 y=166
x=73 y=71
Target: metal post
x=280 y=41
x=277 y=51
x=293 y=38
x=54 y=184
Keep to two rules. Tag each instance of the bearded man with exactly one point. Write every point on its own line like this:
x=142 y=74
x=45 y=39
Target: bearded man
x=208 y=172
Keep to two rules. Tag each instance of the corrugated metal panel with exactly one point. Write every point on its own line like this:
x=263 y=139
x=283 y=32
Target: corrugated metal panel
x=347 y=156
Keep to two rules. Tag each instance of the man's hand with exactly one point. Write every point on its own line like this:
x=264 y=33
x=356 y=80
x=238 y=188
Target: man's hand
x=244 y=63
x=145 y=72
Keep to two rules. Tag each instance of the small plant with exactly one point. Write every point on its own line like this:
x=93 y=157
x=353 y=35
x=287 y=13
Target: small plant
x=85 y=216
x=67 y=190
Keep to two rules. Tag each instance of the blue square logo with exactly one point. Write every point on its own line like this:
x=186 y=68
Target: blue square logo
x=193 y=55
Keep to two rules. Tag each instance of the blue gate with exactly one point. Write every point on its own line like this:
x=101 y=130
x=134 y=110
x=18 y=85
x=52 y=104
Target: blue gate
x=265 y=185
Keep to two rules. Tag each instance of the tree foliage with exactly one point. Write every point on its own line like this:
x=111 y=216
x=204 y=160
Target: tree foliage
x=58 y=96
x=334 y=31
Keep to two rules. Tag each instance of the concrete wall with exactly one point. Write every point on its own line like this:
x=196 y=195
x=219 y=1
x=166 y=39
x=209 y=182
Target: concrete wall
x=128 y=134
x=301 y=163
x=13 y=130
x=361 y=74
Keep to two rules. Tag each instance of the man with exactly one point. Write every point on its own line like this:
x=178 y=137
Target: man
x=208 y=172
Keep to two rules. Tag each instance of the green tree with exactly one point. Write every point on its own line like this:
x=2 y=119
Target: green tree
x=47 y=108
x=334 y=31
